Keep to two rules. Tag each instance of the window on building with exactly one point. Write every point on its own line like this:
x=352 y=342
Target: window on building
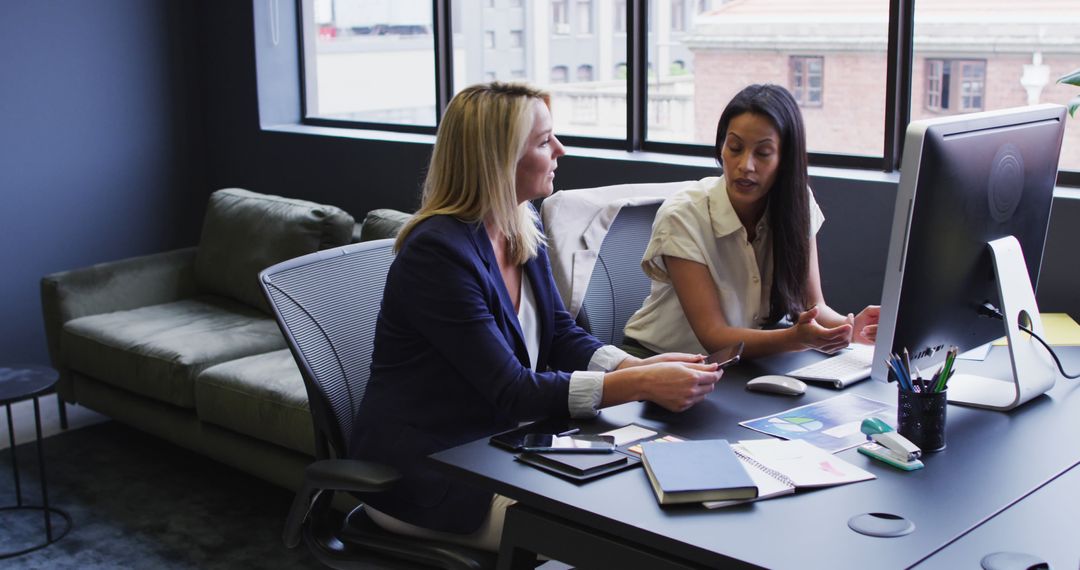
x=678 y=15
x=620 y=71
x=560 y=17
x=955 y=85
x=620 y=16
x=678 y=67
x=585 y=73
x=489 y=40
x=517 y=38
x=584 y=16
x=559 y=74
x=807 y=79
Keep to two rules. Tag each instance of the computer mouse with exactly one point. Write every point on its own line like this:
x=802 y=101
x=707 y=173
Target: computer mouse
x=776 y=384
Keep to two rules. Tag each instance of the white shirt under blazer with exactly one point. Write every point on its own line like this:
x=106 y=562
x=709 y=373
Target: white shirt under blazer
x=699 y=224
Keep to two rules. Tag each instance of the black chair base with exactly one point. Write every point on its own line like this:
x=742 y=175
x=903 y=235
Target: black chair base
x=357 y=542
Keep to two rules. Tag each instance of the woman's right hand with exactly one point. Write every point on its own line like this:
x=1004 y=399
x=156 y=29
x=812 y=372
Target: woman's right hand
x=677 y=386
x=808 y=333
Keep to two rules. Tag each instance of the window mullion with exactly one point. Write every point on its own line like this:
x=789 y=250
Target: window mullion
x=636 y=88
x=444 y=61
x=898 y=82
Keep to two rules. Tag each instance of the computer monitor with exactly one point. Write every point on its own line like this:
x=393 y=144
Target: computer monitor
x=970 y=222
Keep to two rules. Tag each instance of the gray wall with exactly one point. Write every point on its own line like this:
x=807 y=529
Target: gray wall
x=99 y=144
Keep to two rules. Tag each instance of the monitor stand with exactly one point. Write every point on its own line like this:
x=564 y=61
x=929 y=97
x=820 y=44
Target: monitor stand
x=1033 y=369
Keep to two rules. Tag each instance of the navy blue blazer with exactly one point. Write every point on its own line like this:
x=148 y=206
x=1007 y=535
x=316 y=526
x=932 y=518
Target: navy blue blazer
x=450 y=366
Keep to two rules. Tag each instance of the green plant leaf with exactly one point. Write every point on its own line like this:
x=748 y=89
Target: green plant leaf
x=1073 y=106
x=1071 y=78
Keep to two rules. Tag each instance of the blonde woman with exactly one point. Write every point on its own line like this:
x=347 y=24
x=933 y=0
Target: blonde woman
x=472 y=337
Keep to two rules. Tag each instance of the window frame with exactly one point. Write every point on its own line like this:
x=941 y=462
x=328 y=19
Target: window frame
x=897 y=105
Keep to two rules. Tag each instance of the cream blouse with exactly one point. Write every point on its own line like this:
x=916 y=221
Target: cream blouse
x=699 y=224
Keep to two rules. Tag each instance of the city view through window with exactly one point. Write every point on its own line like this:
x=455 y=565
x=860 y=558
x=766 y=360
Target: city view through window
x=374 y=61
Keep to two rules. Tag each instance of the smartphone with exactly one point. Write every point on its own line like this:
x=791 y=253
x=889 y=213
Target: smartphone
x=514 y=439
x=726 y=356
x=577 y=443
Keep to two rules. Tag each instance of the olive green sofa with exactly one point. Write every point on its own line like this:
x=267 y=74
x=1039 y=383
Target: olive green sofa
x=182 y=345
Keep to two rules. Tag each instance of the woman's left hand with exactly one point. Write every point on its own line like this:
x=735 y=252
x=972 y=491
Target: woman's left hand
x=632 y=361
x=866 y=325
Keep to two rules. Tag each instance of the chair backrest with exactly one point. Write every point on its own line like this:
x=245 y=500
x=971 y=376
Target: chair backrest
x=326 y=304
x=618 y=285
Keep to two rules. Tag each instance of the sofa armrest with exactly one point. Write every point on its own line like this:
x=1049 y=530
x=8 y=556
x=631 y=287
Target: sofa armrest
x=113 y=286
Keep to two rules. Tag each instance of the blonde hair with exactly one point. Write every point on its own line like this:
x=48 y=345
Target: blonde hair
x=473 y=166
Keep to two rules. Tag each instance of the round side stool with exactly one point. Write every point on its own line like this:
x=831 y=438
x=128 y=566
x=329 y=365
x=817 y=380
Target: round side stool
x=17 y=384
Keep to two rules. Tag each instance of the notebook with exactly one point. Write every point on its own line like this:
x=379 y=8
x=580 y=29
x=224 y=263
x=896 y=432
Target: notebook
x=695 y=471
x=850 y=366
x=778 y=467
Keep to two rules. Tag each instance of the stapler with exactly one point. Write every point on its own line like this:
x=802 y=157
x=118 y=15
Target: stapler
x=888 y=446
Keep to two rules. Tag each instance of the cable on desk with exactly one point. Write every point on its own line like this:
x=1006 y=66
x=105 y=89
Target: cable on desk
x=989 y=310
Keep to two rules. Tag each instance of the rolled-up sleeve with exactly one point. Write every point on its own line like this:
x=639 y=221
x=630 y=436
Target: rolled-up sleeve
x=587 y=386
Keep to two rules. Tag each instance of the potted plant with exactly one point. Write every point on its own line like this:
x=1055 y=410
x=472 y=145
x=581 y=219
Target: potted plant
x=1072 y=79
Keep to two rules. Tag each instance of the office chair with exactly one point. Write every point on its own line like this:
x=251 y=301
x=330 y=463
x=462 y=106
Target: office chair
x=326 y=304
x=618 y=286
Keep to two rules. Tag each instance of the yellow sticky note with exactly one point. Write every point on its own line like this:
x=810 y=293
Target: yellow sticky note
x=1059 y=328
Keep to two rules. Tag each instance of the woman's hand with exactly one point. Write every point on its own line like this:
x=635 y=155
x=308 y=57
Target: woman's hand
x=808 y=333
x=678 y=385
x=866 y=324
x=633 y=361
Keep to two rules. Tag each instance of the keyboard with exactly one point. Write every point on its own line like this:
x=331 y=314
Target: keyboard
x=844 y=369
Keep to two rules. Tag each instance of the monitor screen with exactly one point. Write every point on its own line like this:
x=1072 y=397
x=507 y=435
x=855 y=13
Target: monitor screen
x=965 y=180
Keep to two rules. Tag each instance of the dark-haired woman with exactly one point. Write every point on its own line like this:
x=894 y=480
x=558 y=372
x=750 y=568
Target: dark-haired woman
x=733 y=255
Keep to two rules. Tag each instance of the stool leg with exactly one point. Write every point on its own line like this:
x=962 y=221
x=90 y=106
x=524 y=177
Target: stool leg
x=62 y=408
x=14 y=457
x=41 y=473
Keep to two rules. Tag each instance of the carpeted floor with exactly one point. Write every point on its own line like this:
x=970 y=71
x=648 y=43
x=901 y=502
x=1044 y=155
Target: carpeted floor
x=139 y=502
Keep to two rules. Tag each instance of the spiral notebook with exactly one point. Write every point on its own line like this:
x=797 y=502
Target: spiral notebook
x=779 y=467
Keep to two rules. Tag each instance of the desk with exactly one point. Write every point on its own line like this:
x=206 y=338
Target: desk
x=993 y=459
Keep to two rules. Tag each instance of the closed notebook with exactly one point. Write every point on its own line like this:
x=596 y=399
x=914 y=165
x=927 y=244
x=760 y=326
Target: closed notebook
x=696 y=471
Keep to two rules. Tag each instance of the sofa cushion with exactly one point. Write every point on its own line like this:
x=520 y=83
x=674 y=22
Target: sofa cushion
x=245 y=232
x=261 y=396
x=382 y=223
x=158 y=350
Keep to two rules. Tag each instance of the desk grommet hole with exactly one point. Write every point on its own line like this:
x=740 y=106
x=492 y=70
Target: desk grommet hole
x=884 y=525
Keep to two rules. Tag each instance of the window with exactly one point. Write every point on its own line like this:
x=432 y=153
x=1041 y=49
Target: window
x=347 y=52
x=961 y=66
x=955 y=86
x=559 y=74
x=584 y=73
x=584 y=16
x=560 y=18
x=678 y=15
x=806 y=79
x=698 y=54
x=734 y=44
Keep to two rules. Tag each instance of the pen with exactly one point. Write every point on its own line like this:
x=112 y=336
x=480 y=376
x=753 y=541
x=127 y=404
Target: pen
x=568 y=432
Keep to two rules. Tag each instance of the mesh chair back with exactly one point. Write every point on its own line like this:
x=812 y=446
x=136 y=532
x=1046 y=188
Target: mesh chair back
x=618 y=286
x=326 y=304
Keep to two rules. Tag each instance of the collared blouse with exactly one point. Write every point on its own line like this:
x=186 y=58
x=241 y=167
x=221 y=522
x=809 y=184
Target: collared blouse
x=699 y=224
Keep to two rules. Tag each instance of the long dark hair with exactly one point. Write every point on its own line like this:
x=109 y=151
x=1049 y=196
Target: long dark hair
x=789 y=202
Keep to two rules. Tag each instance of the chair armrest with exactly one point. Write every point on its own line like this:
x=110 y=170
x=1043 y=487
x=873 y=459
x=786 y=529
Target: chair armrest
x=334 y=475
x=114 y=286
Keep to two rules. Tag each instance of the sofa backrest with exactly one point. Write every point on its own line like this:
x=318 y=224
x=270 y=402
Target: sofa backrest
x=245 y=232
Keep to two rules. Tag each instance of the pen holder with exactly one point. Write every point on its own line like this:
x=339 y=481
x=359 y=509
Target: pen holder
x=921 y=418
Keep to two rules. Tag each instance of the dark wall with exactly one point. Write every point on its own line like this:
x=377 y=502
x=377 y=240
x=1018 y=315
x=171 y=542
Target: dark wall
x=100 y=144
